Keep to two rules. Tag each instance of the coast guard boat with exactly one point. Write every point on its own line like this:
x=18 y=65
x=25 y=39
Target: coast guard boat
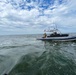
x=56 y=35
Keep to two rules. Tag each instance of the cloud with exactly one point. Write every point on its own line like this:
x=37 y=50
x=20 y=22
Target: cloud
x=13 y=19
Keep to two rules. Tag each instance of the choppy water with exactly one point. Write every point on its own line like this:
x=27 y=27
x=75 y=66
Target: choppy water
x=24 y=55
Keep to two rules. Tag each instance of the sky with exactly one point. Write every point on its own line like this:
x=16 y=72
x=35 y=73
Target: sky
x=34 y=16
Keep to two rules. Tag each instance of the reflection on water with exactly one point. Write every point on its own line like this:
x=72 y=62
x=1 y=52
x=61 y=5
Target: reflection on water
x=58 y=58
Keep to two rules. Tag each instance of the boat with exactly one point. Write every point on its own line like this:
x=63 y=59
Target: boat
x=56 y=35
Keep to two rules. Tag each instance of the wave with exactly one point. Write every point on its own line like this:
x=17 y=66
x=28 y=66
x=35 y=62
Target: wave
x=47 y=63
x=8 y=47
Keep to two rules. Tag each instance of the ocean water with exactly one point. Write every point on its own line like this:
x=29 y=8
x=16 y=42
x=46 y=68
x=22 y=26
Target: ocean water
x=24 y=55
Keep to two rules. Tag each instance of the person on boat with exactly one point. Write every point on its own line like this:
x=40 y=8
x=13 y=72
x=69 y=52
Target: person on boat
x=44 y=35
x=55 y=33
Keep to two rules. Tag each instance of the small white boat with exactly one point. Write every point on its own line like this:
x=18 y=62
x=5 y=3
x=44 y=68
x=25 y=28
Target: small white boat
x=57 y=36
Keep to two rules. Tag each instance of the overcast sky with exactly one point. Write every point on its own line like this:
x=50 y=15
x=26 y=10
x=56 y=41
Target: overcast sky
x=34 y=16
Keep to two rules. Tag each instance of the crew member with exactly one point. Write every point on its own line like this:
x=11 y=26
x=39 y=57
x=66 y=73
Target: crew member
x=44 y=35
